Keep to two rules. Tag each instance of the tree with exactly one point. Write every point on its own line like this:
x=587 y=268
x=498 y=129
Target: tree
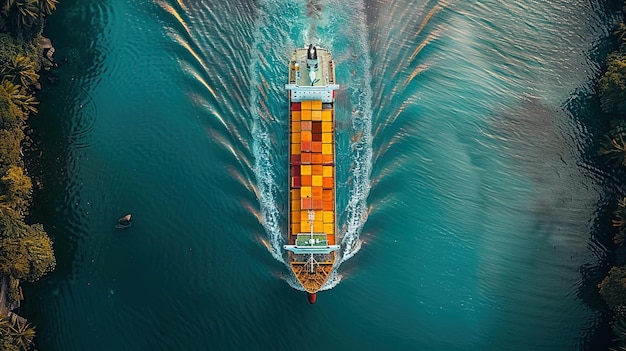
x=613 y=85
x=47 y=6
x=613 y=288
x=21 y=70
x=27 y=12
x=19 y=188
x=10 y=147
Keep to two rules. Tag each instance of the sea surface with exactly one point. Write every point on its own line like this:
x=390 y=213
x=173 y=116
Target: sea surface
x=468 y=191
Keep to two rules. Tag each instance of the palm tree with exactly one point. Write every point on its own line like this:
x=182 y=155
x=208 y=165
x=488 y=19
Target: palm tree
x=7 y=5
x=620 y=222
x=47 y=6
x=620 y=32
x=23 y=334
x=20 y=97
x=616 y=148
x=27 y=11
x=20 y=70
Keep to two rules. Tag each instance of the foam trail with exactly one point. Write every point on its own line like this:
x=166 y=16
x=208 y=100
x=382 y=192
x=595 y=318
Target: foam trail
x=265 y=94
x=361 y=95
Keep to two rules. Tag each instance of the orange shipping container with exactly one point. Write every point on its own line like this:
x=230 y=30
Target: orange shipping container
x=316 y=105
x=305 y=105
x=305 y=157
x=316 y=169
x=295 y=149
x=295 y=127
x=306 y=203
x=306 y=115
x=328 y=159
x=328 y=183
x=317 y=159
x=295 y=194
x=295 y=138
x=295 y=228
x=295 y=115
x=306 y=180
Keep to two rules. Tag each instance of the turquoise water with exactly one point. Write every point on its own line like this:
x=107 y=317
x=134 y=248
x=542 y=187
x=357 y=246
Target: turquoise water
x=467 y=199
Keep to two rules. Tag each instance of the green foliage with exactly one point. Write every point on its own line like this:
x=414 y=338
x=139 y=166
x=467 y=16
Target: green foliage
x=613 y=85
x=16 y=335
x=19 y=188
x=613 y=288
x=19 y=98
x=10 y=148
x=11 y=116
x=20 y=70
x=25 y=250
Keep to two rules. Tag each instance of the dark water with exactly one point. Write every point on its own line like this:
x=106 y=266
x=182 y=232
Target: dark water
x=467 y=198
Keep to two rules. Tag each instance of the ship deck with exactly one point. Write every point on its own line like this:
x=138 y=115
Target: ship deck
x=312 y=187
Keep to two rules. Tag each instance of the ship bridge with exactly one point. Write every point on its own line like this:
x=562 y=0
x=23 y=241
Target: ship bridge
x=312 y=75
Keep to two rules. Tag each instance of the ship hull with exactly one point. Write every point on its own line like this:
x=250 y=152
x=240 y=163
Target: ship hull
x=312 y=224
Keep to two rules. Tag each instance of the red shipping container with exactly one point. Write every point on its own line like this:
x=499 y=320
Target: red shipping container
x=316 y=137
x=295 y=106
x=295 y=171
x=295 y=182
x=306 y=146
x=295 y=159
x=316 y=126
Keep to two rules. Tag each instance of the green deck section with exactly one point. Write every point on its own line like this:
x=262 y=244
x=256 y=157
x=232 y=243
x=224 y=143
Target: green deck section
x=305 y=240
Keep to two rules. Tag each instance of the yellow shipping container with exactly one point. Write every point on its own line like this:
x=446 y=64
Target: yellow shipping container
x=327 y=127
x=327 y=137
x=316 y=105
x=329 y=216
x=305 y=226
x=306 y=115
x=305 y=170
x=305 y=105
x=318 y=227
x=327 y=171
x=317 y=181
x=305 y=192
x=303 y=215
x=327 y=115
x=316 y=115
x=327 y=149
x=329 y=228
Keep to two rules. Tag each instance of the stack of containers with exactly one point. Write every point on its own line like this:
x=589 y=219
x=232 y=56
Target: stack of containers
x=312 y=168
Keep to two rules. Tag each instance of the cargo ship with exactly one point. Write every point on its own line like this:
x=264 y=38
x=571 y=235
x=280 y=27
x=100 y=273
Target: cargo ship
x=311 y=246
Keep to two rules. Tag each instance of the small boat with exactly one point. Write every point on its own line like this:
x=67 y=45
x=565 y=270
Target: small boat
x=124 y=222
